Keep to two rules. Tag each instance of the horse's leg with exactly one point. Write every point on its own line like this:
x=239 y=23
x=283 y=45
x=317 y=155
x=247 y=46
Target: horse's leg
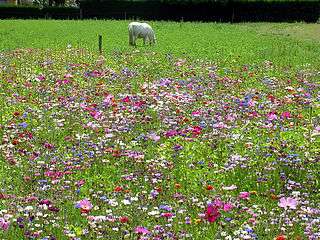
x=134 y=41
x=130 y=39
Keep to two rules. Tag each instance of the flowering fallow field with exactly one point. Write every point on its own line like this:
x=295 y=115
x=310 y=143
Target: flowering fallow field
x=147 y=145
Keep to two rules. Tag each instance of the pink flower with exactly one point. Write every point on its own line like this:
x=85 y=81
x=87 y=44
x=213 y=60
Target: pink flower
x=84 y=205
x=108 y=100
x=251 y=103
x=227 y=207
x=126 y=99
x=41 y=77
x=96 y=114
x=286 y=115
x=244 y=195
x=218 y=203
x=288 y=203
x=141 y=230
x=272 y=116
x=196 y=113
x=212 y=213
x=4 y=224
x=220 y=125
x=68 y=75
x=154 y=137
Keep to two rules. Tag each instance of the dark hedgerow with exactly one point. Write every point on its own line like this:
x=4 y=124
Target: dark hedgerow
x=221 y=11
x=176 y=10
x=26 y=12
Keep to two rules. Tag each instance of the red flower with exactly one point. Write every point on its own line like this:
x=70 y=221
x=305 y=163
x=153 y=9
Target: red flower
x=124 y=219
x=281 y=237
x=15 y=141
x=16 y=114
x=196 y=130
x=210 y=187
x=118 y=189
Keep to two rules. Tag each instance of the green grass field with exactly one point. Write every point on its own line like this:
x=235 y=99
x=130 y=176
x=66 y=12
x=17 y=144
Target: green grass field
x=211 y=134
x=286 y=44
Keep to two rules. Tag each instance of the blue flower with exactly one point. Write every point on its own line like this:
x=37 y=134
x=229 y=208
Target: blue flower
x=24 y=125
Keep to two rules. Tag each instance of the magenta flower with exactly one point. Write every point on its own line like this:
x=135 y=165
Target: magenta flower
x=41 y=77
x=96 y=114
x=272 y=116
x=212 y=213
x=244 y=195
x=171 y=133
x=286 y=115
x=84 y=205
x=4 y=224
x=141 y=230
x=288 y=203
x=227 y=207
x=126 y=99
x=196 y=113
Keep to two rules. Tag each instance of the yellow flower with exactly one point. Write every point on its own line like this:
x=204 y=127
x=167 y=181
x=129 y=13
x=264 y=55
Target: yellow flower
x=197 y=220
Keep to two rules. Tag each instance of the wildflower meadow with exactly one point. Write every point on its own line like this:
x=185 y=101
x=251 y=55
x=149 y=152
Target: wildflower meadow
x=146 y=143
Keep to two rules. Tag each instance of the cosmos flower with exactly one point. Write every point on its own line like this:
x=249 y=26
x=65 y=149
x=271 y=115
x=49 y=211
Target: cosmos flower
x=244 y=195
x=141 y=230
x=286 y=115
x=84 y=205
x=212 y=213
x=288 y=203
x=4 y=224
x=154 y=137
x=227 y=207
x=272 y=116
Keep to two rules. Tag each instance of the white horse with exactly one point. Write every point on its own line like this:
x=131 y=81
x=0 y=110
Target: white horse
x=141 y=30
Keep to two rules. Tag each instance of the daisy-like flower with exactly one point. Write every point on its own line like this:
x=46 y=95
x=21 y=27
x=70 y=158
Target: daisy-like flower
x=230 y=188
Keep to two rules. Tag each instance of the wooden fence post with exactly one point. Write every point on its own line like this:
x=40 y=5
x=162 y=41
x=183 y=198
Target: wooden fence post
x=81 y=13
x=100 y=44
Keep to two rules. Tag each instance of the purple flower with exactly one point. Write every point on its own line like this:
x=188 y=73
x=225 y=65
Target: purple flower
x=23 y=125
